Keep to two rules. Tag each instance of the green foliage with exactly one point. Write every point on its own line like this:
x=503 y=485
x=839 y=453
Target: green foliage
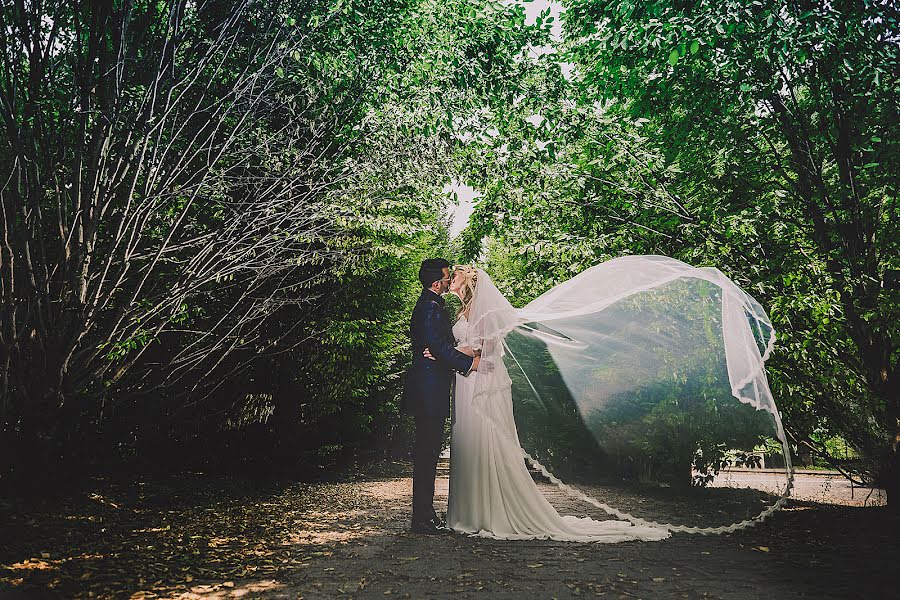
x=760 y=138
x=250 y=248
x=269 y=178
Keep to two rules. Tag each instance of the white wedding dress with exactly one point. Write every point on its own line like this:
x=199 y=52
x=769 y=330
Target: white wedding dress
x=492 y=493
x=635 y=343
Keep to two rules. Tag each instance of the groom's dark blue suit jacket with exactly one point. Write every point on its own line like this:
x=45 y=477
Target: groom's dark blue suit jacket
x=427 y=390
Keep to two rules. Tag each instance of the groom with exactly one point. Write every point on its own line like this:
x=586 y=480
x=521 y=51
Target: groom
x=427 y=390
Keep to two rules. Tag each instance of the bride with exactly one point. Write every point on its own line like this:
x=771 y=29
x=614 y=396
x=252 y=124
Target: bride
x=617 y=333
x=492 y=493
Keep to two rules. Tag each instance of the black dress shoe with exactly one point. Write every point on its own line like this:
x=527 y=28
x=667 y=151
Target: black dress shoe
x=429 y=528
x=438 y=521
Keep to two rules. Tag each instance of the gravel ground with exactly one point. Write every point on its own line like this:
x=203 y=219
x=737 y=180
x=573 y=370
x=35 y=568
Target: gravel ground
x=196 y=537
x=825 y=487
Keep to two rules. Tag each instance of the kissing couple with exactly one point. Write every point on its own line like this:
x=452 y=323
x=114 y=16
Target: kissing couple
x=492 y=493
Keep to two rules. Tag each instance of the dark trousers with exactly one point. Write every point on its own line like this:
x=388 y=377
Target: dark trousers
x=429 y=438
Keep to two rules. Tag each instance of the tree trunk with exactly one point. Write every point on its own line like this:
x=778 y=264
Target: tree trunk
x=682 y=475
x=890 y=476
x=287 y=399
x=892 y=482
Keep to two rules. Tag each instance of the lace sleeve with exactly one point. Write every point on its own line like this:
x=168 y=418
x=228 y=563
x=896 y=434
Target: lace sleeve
x=474 y=336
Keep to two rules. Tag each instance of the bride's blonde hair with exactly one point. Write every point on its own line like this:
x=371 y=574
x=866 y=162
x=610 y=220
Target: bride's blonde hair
x=467 y=289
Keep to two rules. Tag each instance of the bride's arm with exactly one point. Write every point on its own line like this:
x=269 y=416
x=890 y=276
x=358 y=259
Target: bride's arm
x=442 y=346
x=475 y=339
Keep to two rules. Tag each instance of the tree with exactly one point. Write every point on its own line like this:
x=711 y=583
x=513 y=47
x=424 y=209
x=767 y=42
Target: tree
x=760 y=138
x=191 y=189
x=804 y=93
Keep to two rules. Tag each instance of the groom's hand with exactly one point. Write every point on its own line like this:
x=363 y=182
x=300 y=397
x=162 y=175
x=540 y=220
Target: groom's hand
x=477 y=365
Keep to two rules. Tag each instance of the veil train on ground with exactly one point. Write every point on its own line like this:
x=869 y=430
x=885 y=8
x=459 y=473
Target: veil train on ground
x=639 y=387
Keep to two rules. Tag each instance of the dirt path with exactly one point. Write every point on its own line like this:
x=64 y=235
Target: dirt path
x=197 y=538
x=827 y=487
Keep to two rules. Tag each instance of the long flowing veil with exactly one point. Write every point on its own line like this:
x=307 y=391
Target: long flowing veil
x=639 y=387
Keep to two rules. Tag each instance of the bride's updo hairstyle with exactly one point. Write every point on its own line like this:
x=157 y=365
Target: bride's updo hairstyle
x=467 y=290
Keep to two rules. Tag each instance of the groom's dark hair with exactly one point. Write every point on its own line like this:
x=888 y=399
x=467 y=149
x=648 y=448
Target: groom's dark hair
x=432 y=270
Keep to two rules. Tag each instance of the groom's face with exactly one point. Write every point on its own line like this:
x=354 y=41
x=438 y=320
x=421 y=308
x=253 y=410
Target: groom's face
x=444 y=282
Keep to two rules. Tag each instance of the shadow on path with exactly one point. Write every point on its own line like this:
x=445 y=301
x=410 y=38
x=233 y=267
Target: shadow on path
x=193 y=537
